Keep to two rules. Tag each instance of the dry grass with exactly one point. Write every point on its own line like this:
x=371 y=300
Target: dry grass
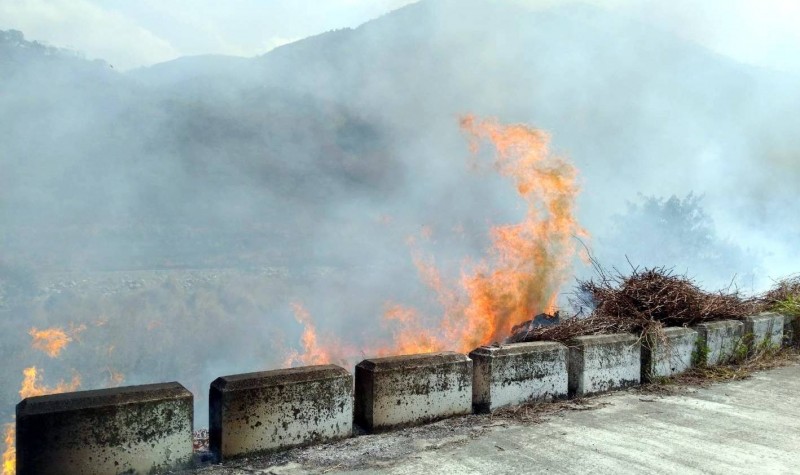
x=703 y=376
x=647 y=300
x=535 y=413
x=784 y=290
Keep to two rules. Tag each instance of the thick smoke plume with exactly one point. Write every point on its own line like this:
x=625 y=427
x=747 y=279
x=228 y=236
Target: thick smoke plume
x=213 y=215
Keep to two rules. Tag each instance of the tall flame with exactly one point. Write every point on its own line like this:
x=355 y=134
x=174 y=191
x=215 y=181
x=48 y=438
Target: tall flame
x=523 y=271
x=530 y=260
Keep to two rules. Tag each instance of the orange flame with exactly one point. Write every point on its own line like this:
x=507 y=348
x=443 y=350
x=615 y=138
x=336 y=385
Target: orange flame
x=31 y=386
x=314 y=353
x=410 y=335
x=529 y=261
x=51 y=340
x=10 y=454
x=523 y=272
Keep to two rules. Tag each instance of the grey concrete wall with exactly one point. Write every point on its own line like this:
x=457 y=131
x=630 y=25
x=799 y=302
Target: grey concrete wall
x=764 y=329
x=668 y=353
x=603 y=363
x=271 y=410
x=413 y=389
x=791 y=330
x=131 y=430
x=518 y=373
x=719 y=341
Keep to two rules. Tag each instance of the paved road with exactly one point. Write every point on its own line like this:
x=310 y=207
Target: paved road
x=750 y=426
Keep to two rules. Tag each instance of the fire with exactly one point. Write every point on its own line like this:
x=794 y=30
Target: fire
x=10 y=454
x=31 y=384
x=50 y=340
x=314 y=353
x=53 y=340
x=410 y=336
x=528 y=262
x=522 y=272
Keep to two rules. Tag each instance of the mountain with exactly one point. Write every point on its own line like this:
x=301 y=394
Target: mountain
x=634 y=106
x=625 y=100
x=329 y=132
x=131 y=174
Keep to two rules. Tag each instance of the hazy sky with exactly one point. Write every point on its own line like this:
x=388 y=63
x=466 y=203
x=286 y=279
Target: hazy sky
x=129 y=33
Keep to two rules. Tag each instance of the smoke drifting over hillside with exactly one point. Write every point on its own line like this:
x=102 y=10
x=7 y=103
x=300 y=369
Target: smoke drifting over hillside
x=166 y=220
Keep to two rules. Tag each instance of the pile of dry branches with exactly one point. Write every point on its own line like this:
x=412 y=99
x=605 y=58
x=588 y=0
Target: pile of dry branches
x=786 y=289
x=647 y=300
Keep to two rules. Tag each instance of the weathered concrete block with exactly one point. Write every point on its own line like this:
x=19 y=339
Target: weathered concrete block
x=413 y=389
x=668 y=354
x=791 y=330
x=272 y=410
x=602 y=363
x=132 y=430
x=518 y=373
x=719 y=341
x=765 y=329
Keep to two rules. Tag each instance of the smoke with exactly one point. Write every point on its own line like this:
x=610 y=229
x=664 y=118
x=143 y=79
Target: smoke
x=175 y=214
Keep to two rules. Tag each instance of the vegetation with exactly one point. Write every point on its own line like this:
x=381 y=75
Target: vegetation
x=743 y=365
x=643 y=302
x=784 y=297
x=676 y=232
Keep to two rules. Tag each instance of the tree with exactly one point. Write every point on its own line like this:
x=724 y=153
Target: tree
x=677 y=233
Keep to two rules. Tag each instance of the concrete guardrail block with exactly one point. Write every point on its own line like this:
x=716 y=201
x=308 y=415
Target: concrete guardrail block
x=669 y=353
x=600 y=363
x=791 y=330
x=271 y=410
x=132 y=430
x=518 y=373
x=764 y=329
x=410 y=390
x=719 y=341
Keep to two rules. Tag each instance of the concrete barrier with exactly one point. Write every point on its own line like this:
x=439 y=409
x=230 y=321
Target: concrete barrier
x=720 y=342
x=409 y=390
x=791 y=330
x=518 y=373
x=271 y=410
x=668 y=353
x=131 y=430
x=601 y=363
x=765 y=329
